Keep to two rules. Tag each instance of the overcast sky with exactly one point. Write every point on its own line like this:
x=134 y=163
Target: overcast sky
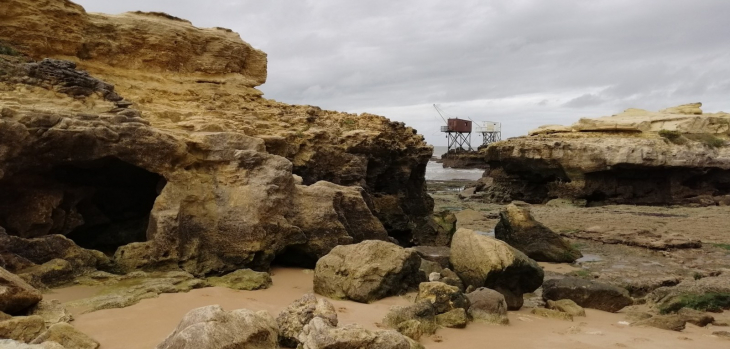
x=523 y=63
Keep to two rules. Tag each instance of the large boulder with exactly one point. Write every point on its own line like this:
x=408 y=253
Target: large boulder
x=15 y=294
x=211 y=328
x=292 y=320
x=482 y=261
x=366 y=271
x=520 y=230
x=319 y=334
x=488 y=305
x=22 y=328
x=587 y=294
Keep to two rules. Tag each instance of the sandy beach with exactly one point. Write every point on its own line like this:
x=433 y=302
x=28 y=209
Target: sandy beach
x=144 y=325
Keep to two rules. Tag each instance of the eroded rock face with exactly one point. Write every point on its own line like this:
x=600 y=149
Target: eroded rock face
x=366 y=271
x=15 y=294
x=482 y=261
x=211 y=327
x=673 y=156
x=213 y=162
x=520 y=230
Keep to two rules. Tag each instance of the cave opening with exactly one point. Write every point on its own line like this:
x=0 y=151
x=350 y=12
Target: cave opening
x=118 y=201
x=295 y=256
x=100 y=204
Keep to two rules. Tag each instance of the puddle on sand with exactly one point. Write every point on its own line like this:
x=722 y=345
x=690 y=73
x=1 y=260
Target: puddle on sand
x=589 y=258
x=486 y=233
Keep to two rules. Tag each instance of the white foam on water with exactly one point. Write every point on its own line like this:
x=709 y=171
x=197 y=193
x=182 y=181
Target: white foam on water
x=436 y=172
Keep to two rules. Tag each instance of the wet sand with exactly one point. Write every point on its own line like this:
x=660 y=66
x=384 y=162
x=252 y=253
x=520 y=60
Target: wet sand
x=144 y=325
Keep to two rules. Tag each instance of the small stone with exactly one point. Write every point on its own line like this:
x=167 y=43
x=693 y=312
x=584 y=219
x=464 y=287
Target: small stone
x=566 y=306
x=455 y=318
x=552 y=314
x=666 y=322
x=243 y=279
x=443 y=297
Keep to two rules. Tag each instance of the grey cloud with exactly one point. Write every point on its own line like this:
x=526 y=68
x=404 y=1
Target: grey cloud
x=587 y=58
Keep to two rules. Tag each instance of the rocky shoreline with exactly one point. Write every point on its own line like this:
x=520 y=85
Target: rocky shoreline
x=163 y=194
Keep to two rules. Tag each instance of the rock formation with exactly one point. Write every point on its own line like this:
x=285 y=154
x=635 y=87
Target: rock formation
x=520 y=230
x=468 y=160
x=292 y=320
x=482 y=261
x=149 y=135
x=366 y=271
x=587 y=294
x=674 y=156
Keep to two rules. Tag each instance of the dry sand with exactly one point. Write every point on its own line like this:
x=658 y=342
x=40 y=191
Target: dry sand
x=147 y=323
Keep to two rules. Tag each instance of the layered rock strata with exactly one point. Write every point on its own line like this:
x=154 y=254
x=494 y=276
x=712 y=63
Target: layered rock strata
x=675 y=156
x=149 y=135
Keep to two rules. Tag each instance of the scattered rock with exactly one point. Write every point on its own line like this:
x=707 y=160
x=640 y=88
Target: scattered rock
x=412 y=320
x=438 y=254
x=15 y=294
x=429 y=267
x=566 y=306
x=292 y=320
x=552 y=314
x=652 y=239
x=22 y=328
x=484 y=261
x=443 y=297
x=454 y=318
x=67 y=336
x=488 y=306
x=587 y=294
x=696 y=317
x=366 y=271
x=666 y=322
x=51 y=311
x=211 y=328
x=318 y=334
x=722 y=334
x=520 y=230
x=450 y=278
x=243 y=279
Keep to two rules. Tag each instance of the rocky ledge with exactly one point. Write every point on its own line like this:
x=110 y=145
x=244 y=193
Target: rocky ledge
x=119 y=140
x=467 y=160
x=678 y=155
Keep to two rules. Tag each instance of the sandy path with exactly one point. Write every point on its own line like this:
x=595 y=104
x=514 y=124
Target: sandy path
x=144 y=325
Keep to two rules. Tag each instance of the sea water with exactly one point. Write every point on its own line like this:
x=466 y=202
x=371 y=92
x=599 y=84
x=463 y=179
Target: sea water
x=436 y=172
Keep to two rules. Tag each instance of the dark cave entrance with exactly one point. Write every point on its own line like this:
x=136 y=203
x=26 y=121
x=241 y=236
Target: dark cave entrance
x=115 y=204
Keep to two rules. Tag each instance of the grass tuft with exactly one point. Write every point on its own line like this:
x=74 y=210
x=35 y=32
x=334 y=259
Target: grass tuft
x=713 y=302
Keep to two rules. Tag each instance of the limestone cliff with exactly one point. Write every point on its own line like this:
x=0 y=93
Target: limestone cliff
x=675 y=156
x=167 y=124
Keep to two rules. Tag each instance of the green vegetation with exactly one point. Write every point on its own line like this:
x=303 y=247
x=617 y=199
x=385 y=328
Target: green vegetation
x=7 y=50
x=582 y=273
x=673 y=136
x=722 y=246
x=713 y=302
x=706 y=139
x=348 y=124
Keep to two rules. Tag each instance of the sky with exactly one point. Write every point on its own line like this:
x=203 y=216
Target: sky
x=523 y=63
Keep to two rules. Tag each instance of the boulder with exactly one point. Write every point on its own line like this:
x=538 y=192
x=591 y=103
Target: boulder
x=488 y=305
x=520 y=230
x=482 y=261
x=412 y=320
x=13 y=344
x=454 y=318
x=211 y=327
x=552 y=314
x=587 y=294
x=51 y=311
x=672 y=322
x=292 y=320
x=67 y=336
x=319 y=334
x=443 y=297
x=22 y=328
x=366 y=271
x=15 y=294
x=566 y=306
x=243 y=279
